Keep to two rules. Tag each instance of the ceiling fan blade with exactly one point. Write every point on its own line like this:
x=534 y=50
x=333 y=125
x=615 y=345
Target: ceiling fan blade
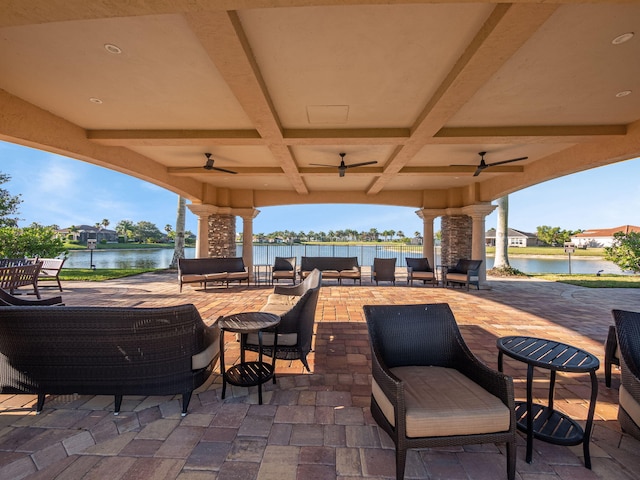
x=479 y=169
x=223 y=170
x=506 y=161
x=360 y=164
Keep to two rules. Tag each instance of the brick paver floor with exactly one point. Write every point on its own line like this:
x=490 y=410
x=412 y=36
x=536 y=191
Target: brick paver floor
x=316 y=426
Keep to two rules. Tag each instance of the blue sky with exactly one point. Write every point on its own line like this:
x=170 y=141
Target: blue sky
x=65 y=192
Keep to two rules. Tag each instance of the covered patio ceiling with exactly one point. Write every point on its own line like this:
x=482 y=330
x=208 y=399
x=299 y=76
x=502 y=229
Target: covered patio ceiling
x=270 y=88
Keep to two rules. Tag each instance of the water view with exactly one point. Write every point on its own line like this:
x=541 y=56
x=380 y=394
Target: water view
x=265 y=255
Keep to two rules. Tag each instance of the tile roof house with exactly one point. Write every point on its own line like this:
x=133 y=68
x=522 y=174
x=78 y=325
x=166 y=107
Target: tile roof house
x=598 y=238
x=515 y=238
x=83 y=232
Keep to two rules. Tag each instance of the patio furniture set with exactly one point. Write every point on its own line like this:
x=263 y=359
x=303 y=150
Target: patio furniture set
x=428 y=389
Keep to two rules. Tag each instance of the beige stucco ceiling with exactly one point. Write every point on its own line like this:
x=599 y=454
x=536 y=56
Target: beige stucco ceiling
x=272 y=87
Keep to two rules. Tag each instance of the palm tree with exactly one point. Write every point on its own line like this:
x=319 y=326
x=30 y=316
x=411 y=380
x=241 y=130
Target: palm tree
x=178 y=245
x=502 y=238
x=105 y=222
x=125 y=228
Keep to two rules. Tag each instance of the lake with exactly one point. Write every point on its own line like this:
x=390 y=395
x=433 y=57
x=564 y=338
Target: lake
x=265 y=255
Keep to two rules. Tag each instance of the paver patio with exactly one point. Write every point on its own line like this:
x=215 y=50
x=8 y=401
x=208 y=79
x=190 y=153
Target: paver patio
x=317 y=426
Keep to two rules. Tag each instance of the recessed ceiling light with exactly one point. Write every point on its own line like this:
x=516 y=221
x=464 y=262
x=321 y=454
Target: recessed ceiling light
x=623 y=93
x=625 y=37
x=111 y=48
x=95 y=100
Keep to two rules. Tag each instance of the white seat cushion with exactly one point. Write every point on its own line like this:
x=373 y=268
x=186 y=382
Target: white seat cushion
x=442 y=401
x=284 y=339
x=630 y=405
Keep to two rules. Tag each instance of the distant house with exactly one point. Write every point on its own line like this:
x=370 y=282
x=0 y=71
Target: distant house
x=599 y=238
x=515 y=238
x=81 y=233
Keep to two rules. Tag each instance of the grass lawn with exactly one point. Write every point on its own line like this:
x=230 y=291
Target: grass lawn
x=578 y=252
x=100 y=274
x=593 y=281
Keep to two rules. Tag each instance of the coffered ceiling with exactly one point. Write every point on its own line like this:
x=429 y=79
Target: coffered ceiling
x=271 y=88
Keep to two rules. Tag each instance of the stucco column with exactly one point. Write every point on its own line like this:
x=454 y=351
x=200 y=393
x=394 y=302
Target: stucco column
x=247 y=214
x=427 y=216
x=478 y=214
x=203 y=212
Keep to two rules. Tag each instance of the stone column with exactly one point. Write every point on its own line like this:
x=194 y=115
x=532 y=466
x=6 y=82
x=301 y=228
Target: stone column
x=247 y=214
x=203 y=212
x=478 y=214
x=428 y=215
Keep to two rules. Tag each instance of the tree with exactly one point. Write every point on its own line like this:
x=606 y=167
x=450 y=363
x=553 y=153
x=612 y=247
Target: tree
x=125 y=228
x=625 y=251
x=105 y=222
x=553 y=235
x=502 y=239
x=178 y=246
x=147 y=232
x=34 y=240
x=8 y=204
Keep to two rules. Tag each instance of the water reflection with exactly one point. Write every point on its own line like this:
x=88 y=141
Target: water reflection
x=265 y=254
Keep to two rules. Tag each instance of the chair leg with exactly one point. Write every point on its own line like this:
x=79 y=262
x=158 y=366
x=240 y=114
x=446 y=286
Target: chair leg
x=117 y=405
x=303 y=359
x=401 y=460
x=511 y=460
x=186 y=398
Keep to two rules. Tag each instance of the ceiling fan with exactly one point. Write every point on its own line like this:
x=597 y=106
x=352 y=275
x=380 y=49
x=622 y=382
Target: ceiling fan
x=342 y=168
x=209 y=165
x=483 y=165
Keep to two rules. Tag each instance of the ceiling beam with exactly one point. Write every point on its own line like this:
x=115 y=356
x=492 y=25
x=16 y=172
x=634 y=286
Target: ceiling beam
x=506 y=30
x=222 y=37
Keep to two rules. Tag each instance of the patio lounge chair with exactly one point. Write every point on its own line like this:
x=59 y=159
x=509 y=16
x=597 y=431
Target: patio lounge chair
x=50 y=270
x=429 y=390
x=8 y=300
x=284 y=268
x=384 y=270
x=628 y=330
x=465 y=272
x=296 y=305
x=419 y=269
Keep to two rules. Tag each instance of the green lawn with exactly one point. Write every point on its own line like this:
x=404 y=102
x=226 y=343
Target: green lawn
x=593 y=281
x=100 y=274
x=588 y=252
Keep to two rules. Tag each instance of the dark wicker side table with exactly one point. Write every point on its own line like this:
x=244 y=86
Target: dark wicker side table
x=248 y=374
x=541 y=421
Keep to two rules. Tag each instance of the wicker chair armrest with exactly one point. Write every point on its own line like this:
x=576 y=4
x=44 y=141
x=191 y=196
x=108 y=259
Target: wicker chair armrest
x=391 y=385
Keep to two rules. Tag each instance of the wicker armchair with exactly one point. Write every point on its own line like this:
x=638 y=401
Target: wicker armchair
x=384 y=270
x=628 y=330
x=296 y=306
x=429 y=390
x=465 y=272
x=611 y=354
x=284 y=268
x=8 y=300
x=419 y=269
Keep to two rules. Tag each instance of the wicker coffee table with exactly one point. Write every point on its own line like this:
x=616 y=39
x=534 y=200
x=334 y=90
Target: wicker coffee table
x=248 y=374
x=541 y=421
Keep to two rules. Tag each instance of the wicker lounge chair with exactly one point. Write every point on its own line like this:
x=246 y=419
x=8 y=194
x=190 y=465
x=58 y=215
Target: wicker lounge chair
x=8 y=300
x=628 y=330
x=465 y=272
x=384 y=270
x=296 y=306
x=419 y=359
x=419 y=269
x=284 y=268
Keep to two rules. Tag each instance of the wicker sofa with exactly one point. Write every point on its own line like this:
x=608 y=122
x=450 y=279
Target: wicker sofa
x=212 y=269
x=337 y=268
x=105 y=351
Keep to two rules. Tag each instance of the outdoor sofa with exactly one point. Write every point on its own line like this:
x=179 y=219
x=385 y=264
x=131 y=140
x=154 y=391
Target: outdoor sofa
x=337 y=268
x=105 y=351
x=212 y=269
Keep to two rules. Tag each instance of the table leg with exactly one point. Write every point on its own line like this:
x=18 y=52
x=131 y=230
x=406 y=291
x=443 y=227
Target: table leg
x=552 y=387
x=260 y=363
x=275 y=349
x=500 y=361
x=222 y=369
x=529 y=413
x=589 y=425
